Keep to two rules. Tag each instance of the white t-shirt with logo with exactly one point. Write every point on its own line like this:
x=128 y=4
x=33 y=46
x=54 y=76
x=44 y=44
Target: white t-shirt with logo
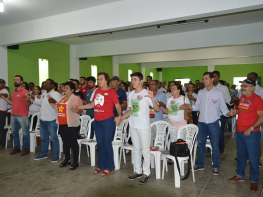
x=3 y=103
x=139 y=104
x=173 y=105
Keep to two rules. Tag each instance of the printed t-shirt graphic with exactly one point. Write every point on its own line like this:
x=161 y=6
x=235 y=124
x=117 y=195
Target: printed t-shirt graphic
x=136 y=106
x=62 y=112
x=174 y=107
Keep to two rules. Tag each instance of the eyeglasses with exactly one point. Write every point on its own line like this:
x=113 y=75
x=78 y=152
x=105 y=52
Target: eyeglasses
x=245 y=86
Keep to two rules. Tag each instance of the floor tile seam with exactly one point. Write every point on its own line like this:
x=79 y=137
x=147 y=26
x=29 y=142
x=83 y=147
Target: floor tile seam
x=205 y=185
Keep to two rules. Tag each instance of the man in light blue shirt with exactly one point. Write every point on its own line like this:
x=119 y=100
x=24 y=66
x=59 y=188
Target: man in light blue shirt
x=210 y=102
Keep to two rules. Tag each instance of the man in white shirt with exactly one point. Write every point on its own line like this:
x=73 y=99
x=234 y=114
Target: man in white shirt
x=3 y=113
x=139 y=121
x=210 y=102
x=227 y=100
x=48 y=125
x=161 y=88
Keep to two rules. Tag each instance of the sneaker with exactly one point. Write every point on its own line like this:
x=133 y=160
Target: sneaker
x=15 y=150
x=144 y=179
x=25 y=151
x=55 y=159
x=134 y=176
x=215 y=171
x=196 y=168
x=260 y=165
x=40 y=157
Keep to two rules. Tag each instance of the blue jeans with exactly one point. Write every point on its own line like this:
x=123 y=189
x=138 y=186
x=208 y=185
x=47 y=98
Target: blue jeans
x=248 y=145
x=18 y=122
x=49 y=128
x=212 y=130
x=104 y=131
x=222 y=136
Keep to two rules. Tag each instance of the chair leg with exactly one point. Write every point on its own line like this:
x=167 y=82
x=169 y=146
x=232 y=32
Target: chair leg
x=79 y=151
x=124 y=156
x=176 y=176
x=32 y=144
x=152 y=160
x=164 y=159
x=116 y=156
x=158 y=165
x=120 y=156
x=92 y=154
x=192 y=166
x=6 y=140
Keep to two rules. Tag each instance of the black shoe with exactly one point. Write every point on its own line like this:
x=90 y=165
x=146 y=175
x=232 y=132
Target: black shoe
x=134 y=176
x=74 y=165
x=169 y=162
x=260 y=165
x=196 y=168
x=144 y=179
x=64 y=163
x=215 y=171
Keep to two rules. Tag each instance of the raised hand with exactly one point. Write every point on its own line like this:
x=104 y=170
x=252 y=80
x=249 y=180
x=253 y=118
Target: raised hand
x=51 y=100
x=150 y=93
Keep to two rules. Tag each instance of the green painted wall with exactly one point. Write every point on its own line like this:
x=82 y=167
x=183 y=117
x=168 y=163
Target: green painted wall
x=154 y=71
x=104 y=64
x=25 y=61
x=228 y=72
x=123 y=70
x=194 y=73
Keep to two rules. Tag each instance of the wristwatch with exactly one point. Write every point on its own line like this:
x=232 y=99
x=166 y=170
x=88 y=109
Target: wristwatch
x=252 y=128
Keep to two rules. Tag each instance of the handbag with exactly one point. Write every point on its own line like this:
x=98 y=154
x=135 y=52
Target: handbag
x=188 y=116
x=180 y=149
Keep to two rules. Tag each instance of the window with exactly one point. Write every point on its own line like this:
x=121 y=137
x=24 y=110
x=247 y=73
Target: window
x=151 y=74
x=236 y=81
x=94 y=72
x=129 y=75
x=183 y=81
x=43 y=70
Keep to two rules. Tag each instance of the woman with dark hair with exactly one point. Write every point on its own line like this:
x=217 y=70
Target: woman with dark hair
x=34 y=107
x=175 y=110
x=68 y=120
x=192 y=97
x=124 y=86
x=103 y=101
x=25 y=85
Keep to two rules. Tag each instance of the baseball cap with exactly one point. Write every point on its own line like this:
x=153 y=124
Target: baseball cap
x=249 y=81
x=2 y=81
x=115 y=78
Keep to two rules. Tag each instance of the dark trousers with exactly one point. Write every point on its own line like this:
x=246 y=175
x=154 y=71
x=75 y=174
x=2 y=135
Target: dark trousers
x=34 y=122
x=2 y=128
x=104 y=131
x=69 y=138
x=195 y=118
x=222 y=136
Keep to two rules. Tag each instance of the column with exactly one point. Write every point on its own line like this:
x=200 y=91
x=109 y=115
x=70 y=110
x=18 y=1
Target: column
x=210 y=68
x=3 y=64
x=74 y=64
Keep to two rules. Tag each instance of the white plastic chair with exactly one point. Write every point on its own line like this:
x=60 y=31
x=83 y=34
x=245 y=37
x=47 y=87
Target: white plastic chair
x=89 y=143
x=191 y=133
x=84 y=120
x=34 y=133
x=126 y=147
x=161 y=143
x=117 y=142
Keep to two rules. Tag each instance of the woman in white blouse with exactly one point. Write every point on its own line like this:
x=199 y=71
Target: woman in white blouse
x=34 y=108
x=192 y=98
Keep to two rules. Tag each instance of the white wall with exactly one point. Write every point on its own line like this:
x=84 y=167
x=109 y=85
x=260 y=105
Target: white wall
x=117 y=16
x=74 y=64
x=3 y=64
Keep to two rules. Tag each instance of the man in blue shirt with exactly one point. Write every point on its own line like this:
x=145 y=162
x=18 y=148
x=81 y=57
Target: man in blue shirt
x=160 y=98
x=210 y=102
x=122 y=96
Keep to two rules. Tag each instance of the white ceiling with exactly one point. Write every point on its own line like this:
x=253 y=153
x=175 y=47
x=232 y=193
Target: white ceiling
x=220 y=21
x=17 y=11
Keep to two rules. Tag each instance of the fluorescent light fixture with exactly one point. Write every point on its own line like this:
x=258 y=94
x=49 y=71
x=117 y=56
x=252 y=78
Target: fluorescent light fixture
x=183 y=23
x=2 y=6
x=97 y=34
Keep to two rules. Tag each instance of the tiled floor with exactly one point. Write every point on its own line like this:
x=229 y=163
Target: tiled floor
x=22 y=176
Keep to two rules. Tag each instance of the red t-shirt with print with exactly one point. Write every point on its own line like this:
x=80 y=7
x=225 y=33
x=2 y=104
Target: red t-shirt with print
x=62 y=112
x=104 y=101
x=247 y=112
x=19 y=106
x=84 y=90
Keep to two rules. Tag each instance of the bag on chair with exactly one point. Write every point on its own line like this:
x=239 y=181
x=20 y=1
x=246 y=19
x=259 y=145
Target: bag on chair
x=180 y=149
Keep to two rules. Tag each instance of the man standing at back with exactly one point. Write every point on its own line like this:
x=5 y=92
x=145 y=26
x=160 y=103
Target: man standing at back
x=84 y=86
x=19 y=118
x=48 y=125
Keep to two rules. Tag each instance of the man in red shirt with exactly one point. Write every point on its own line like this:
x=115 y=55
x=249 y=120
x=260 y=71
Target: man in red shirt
x=20 y=101
x=250 y=118
x=84 y=87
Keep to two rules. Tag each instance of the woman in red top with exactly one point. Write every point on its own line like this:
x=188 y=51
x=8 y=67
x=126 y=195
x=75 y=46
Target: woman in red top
x=68 y=120
x=103 y=101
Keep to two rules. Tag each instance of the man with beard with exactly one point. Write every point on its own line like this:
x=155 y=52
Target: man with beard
x=20 y=101
x=84 y=87
x=91 y=84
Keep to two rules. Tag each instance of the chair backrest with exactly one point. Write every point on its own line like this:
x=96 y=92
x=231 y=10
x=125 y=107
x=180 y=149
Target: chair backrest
x=126 y=134
x=89 y=129
x=191 y=132
x=162 y=130
x=6 y=120
x=120 y=130
x=32 y=122
x=84 y=120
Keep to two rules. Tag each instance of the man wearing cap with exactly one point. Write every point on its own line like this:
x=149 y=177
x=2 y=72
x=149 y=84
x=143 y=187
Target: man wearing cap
x=120 y=92
x=3 y=113
x=248 y=135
